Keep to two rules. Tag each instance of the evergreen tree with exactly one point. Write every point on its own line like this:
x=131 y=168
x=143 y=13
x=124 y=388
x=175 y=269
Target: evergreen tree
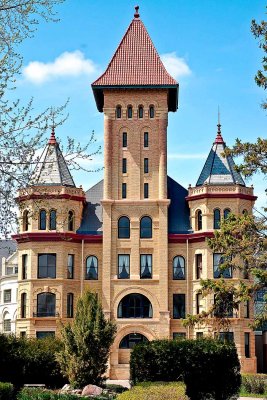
x=86 y=343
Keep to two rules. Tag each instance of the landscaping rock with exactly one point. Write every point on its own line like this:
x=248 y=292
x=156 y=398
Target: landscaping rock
x=66 y=388
x=90 y=390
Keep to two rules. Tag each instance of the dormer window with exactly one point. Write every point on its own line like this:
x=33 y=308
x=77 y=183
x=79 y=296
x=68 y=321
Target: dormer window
x=151 y=112
x=118 y=112
x=130 y=112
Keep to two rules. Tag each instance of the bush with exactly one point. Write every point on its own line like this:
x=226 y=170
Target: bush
x=6 y=391
x=214 y=365
x=254 y=383
x=43 y=394
x=155 y=391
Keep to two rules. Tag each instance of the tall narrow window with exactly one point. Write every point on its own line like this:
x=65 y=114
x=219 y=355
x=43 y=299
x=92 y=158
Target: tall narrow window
x=178 y=268
x=53 y=220
x=198 y=265
x=46 y=305
x=47 y=266
x=130 y=112
x=198 y=303
x=70 y=221
x=140 y=112
x=70 y=305
x=24 y=266
x=124 y=139
x=70 y=271
x=123 y=266
x=247 y=345
x=91 y=268
x=146 y=228
x=124 y=228
x=42 y=220
x=145 y=139
x=124 y=165
x=23 y=305
x=178 y=306
x=226 y=212
x=145 y=165
x=151 y=112
x=146 y=191
x=124 y=190
x=246 y=309
x=216 y=218
x=146 y=266
x=199 y=220
x=25 y=221
x=118 y=112
x=218 y=272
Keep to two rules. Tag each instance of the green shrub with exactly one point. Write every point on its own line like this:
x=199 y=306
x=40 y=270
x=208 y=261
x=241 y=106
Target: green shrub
x=6 y=391
x=43 y=394
x=254 y=383
x=155 y=391
x=212 y=364
x=115 y=388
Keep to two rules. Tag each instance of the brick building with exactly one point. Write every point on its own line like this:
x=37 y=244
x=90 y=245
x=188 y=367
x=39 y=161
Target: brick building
x=137 y=238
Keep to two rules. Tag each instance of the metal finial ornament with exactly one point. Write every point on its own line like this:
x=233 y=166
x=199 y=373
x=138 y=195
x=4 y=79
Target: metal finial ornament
x=219 y=138
x=219 y=122
x=136 y=14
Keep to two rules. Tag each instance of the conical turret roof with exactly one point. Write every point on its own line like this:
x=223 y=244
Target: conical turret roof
x=219 y=170
x=136 y=64
x=52 y=168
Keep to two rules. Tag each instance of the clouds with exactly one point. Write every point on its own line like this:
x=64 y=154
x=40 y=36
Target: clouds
x=67 y=64
x=176 y=66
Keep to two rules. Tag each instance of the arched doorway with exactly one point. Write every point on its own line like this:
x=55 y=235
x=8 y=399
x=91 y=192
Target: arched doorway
x=127 y=343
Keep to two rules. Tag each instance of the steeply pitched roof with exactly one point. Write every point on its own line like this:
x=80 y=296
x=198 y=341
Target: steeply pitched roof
x=52 y=168
x=135 y=63
x=178 y=211
x=92 y=219
x=219 y=170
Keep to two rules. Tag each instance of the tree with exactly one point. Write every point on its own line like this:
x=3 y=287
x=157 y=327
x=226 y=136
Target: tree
x=86 y=343
x=22 y=132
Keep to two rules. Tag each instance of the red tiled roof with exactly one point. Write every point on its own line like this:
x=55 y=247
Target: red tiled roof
x=135 y=62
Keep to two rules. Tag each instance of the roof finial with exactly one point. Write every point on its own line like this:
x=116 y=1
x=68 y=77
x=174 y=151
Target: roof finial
x=136 y=14
x=219 y=138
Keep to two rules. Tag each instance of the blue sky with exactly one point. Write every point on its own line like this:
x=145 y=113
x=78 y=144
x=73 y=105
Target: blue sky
x=208 y=47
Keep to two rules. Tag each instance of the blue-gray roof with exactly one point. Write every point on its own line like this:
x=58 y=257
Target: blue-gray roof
x=178 y=212
x=92 y=219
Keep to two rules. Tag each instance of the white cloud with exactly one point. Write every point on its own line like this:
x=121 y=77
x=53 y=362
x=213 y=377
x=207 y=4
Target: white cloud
x=176 y=66
x=66 y=64
x=178 y=156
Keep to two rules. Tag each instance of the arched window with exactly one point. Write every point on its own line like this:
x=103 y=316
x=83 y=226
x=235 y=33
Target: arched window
x=129 y=341
x=178 y=268
x=151 y=112
x=245 y=212
x=226 y=212
x=124 y=228
x=130 y=112
x=146 y=228
x=216 y=218
x=135 y=305
x=118 y=112
x=25 y=220
x=91 y=268
x=70 y=221
x=140 y=112
x=7 y=322
x=42 y=220
x=199 y=220
x=23 y=305
x=46 y=305
x=53 y=220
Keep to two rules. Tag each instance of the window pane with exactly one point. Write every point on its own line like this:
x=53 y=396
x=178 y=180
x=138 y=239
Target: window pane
x=146 y=190
x=47 y=266
x=146 y=165
x=124 y=165
x=130 y=112
x=7 y=296
x=42 y=220
x=217 y=271
x=179 y=335
x=199 y=220
x=124 y=139
x=135 y=306
x=118 y=111
x=46 y=305
x=70 y=221
x=247 y=345
x=91 y=268
x=123 y=266
x=140 y=112
x=146 y=228
x=198 y=265
x=226 y=213
x=129 y=341
x=216 y=219
x=146 y=266
x=145 y=139
x=70 y=271
x=7 y=325
x=124 y=191
x=53 y=220
x=124 y=228
x=151 y=112
x=227 y=337
x=70 y=305
x=44 y=334
x=178 y=268
x=178 y=306
x=24 y=266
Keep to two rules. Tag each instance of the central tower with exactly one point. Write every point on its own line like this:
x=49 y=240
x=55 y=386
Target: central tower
x=135 y=93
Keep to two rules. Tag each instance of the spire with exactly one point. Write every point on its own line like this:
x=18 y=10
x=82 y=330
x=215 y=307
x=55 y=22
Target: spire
x=136 y=64
x=52 y=168
x=219 y=169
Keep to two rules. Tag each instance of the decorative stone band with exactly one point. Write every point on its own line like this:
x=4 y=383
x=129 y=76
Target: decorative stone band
x=221 y=196
x=47 y=196
x=56 y=237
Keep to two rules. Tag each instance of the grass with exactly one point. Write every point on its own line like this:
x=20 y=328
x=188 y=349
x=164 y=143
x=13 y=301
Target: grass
x=155 y=391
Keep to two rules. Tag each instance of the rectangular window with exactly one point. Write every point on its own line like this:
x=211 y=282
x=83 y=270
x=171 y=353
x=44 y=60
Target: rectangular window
x=47 y=266
x=70 y=271
x=7 y=296
x=7 y=325
x=179 y=335
x=198 y=265
x=145 y=139
x=198 y=303
x=124 y=191
x=146 y=266
x=22 y=334
x=247 y=345
x=223 y=306
x=226 y=337
x=199 y=335
x=246 y=309
x=178 y=306
x=70 y=305
x=44 y=334
x=24 y=266
x=124 y=266
x=146 y=191
x=217 y=271
x=124 y=165
x=145 y=165
x=124 y=139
